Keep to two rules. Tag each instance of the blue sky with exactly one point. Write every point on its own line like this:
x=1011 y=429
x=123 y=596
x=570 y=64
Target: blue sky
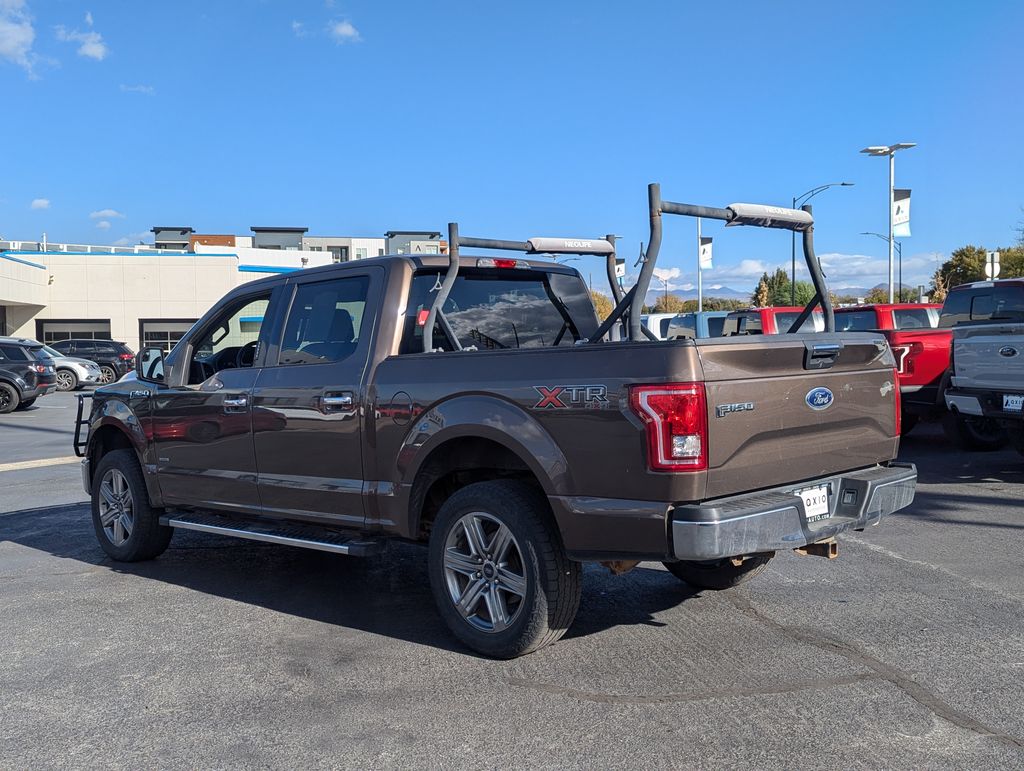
x=516 y=119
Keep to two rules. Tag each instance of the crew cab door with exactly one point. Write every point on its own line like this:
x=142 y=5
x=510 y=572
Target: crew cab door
x=308 y=400
x=202 y=428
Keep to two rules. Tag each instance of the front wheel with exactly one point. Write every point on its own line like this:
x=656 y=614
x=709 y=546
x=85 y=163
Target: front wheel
x=127 y=527
x=498 y=570
x=719 y=574
x=66 y=380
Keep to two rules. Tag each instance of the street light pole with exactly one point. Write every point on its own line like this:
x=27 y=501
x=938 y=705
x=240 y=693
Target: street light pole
x=890 y=150
x=804 y=198
x=899 y=257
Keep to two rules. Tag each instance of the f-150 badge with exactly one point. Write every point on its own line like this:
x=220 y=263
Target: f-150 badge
x=565 y=397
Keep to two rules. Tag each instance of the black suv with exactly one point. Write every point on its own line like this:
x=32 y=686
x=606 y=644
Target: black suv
x=26 y=373
x=114 y=358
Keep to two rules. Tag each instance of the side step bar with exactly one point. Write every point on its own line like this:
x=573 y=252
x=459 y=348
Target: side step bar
x=288 y=534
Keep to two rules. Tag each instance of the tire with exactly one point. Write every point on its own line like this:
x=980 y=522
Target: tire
x=532 y=583
x=970 y=432
x=720 y=574
x=107 y=374
x=9 y=398
x=141 y=536
x=66 y=380
x=907 y=424
x=27 y=403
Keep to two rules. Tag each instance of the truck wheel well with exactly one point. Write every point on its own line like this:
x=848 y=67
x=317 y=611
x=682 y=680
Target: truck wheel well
x=108 y=439
x=454 y=465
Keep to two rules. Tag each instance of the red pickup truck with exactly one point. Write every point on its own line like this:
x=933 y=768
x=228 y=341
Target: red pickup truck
x=773 y=320
x=921 y=337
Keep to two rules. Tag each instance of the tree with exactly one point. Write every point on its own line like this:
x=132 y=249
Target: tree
x=668 y=303
x=762 y=295
x=602 y=304
x=968 y=264
x=776 y=289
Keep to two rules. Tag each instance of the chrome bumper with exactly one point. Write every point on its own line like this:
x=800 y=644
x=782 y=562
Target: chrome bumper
x=774 y=520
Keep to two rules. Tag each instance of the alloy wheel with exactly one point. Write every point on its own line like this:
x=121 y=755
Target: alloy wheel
x=107 y=375
x=64 y=381
x=485 y=572
x=117 y=515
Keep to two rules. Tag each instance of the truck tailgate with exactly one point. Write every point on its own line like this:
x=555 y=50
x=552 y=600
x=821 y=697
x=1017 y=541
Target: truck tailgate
x=775 y=419
x=989 y=356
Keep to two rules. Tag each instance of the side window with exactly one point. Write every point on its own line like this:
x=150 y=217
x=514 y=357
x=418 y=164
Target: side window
x=231 y=340
x=912 y=318
x=14 y=353
x=325 y=321
x=855 y=321
x=83 y=346
x=982 y=306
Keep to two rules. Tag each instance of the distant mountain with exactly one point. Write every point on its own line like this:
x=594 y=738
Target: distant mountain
x=723 y=293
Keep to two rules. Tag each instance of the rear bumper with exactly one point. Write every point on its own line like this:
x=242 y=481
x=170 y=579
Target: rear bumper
x=983 y=403
x=774 y=520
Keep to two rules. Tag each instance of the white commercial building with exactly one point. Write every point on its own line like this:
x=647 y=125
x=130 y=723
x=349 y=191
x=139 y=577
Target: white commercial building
x=139 y=295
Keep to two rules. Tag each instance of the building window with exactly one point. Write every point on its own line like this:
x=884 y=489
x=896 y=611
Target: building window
x=164 y=334
x=339 y=253
x=360 y=254
x=380 y=252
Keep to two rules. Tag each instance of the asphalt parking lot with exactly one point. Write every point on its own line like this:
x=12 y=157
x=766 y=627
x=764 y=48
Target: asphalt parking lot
x=907 y=651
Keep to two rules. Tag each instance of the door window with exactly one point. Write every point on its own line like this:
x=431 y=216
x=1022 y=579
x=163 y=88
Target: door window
x=325 y=321
x=231 y=340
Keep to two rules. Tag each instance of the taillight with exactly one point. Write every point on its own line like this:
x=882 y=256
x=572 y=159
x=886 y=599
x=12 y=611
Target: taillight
x=905 y=355
x=898 y=399
x=126 y=356
x=42 y=369
x=675 y=417
x=500 y=262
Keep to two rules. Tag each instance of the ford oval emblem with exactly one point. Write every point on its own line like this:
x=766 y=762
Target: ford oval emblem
x=1008 y=351
x=819 y=398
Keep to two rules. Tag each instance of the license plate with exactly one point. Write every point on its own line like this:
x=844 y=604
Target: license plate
x=815 y=502
x=1013 y=402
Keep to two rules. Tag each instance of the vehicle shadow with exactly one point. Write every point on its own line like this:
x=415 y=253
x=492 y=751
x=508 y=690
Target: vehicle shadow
x=386 y=595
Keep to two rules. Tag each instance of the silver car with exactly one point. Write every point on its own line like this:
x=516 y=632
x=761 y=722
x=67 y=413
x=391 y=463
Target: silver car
x=73 y=373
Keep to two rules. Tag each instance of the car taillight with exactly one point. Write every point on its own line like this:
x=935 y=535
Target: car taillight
x=898 y=400
x=42 y=369
x=126 y=356
x=905 y=355
x=499 y=262
x=675 y=417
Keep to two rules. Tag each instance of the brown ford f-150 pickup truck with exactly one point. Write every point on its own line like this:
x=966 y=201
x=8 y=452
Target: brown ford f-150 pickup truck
x=477 y=404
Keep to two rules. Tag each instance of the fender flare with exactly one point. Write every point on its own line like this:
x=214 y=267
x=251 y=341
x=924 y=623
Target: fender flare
x=482 y=416
x=115 y=414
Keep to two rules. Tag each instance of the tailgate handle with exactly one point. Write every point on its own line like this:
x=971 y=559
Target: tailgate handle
x=821 y=355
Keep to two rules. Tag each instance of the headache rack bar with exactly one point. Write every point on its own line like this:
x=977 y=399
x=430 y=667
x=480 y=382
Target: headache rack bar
x=582 y=246
x=756 y=215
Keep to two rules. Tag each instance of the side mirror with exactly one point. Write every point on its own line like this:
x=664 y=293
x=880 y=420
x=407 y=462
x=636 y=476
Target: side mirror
x=149 y=365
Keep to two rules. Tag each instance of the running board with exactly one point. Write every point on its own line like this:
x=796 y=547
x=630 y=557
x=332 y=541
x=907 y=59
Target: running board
x=288 y=534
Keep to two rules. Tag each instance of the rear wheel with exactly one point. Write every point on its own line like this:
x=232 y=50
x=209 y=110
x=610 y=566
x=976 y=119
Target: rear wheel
x=107 y=374
x=127 y=527
x=66 y=380
x=973 y=432
x=499 y=572
x=719 y=574
x=9 y=398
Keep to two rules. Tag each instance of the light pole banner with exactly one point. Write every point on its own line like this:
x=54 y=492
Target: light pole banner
x=705 y=253
x=901 y=212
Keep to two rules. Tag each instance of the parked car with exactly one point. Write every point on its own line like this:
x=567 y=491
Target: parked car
x=697 y=325
x=658 y=323
x=922 y=353
x=988 y=355
x=770 y=321
x=457 y=401
x=72 y=373
x=25 y=373
x=114 y=359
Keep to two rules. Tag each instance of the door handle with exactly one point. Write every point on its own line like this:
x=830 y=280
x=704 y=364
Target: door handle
x=236 y=402
x=338 y=401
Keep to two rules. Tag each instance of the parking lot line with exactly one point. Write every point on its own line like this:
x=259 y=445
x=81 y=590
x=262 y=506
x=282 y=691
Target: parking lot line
x=20 y=465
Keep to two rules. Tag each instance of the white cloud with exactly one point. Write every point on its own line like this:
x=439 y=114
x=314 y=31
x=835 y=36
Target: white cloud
x=17 y=34
x=667 y=274
x=343 y=32
x=299 y=28
x=138 y=89
x=91 y=43
x=40 y=203
x=103 y=225
x=105 y=214
x=88 y=18
x=131 y=239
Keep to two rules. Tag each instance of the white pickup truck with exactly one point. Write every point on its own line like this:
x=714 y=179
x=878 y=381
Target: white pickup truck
x=988 y=357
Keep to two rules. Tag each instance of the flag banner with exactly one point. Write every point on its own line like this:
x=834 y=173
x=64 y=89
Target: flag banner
x=901 y=212
x=705 y=253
